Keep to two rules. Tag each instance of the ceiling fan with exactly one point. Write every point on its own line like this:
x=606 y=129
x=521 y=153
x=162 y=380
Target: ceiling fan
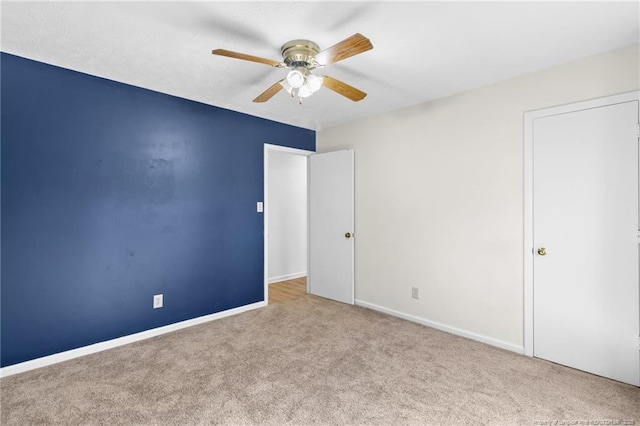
x=302 y=57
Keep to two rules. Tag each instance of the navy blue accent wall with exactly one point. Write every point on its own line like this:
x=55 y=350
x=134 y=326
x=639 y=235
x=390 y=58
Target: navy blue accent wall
x=111 y=194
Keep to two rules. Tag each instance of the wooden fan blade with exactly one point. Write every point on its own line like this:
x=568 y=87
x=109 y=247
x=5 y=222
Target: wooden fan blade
x=347 y=48
x=343 y=88
x=269 y=93
x=230 y=54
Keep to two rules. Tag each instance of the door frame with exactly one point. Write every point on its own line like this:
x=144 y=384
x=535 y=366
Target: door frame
x=265 y=211
x=528 y=249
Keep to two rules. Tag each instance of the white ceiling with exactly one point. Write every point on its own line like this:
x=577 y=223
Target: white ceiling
x=422 y=50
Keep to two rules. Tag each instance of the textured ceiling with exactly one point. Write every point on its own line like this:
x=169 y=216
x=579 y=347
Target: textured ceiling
x=422 y=50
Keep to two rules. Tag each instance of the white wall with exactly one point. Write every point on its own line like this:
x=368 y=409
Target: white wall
x=439 y=195
x=287 y=227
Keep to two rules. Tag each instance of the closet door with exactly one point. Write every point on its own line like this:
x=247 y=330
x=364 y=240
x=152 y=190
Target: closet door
x=585 y=235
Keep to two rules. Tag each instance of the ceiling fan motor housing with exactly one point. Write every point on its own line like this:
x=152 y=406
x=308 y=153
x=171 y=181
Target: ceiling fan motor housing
x=300 y=53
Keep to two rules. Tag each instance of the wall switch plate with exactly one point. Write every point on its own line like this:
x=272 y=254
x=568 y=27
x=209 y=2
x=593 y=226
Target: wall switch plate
x=157 y=301
x=415 y=293
x=260 y=207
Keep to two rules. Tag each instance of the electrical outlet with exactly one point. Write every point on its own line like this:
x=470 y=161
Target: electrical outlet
x=414 y=293
x=157 y=301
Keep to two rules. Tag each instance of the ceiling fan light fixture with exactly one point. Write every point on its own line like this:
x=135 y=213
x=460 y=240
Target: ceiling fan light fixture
x=305 y=91
x=314 y=82
x=295 y=78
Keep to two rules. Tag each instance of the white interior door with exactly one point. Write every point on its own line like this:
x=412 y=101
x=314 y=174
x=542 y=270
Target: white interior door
x=585 y=216
x=331 y=203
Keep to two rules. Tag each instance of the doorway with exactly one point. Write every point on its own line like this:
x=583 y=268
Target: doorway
x=285 y=223
x=581 y=236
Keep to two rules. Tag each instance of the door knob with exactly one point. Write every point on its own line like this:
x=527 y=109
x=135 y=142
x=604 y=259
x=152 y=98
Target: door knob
x=542 y=251
x=347 y=235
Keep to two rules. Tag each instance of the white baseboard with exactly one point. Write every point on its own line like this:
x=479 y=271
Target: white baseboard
x=120 y=341
x=287 y=277
x=442 y=327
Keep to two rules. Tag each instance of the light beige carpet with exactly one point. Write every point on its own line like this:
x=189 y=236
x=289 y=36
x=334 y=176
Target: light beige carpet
x=311 y=361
